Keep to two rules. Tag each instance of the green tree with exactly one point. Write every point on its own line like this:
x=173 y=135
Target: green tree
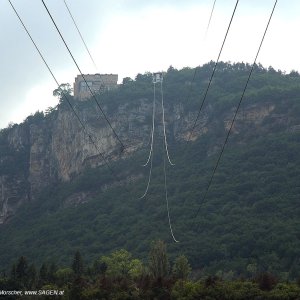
x=159 y=265
x=64 y=276
x=52 y=273
x=22 y=271
x=64 y=90
x=77 y=265
x=13 y=274
x=43 y=275
x=32 y=275
x=181 y=268
x=121 y=264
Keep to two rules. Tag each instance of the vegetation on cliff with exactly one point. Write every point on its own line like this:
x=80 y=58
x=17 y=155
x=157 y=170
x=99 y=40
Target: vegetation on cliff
x=249 y=222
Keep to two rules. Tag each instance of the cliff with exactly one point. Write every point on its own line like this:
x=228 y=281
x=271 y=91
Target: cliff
x=53 y=148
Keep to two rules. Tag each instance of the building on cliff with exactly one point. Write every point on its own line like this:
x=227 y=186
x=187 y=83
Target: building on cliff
x=96 y=82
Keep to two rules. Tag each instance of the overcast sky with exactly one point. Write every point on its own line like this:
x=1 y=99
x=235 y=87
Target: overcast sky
x=127 y=37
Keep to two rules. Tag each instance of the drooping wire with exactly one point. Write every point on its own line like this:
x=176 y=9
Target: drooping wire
x=150 y=158
x=82 y=39
x=235 y=114
x=149 y=177
x=157 y=77
x=167 y=202
x=65 y=95
x=164 y=124
x=89 y=88
x=213 y=73
x=153 y=125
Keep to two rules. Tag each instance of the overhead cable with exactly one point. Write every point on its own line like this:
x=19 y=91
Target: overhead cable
x=65 y=96
x=82 y=39
x=236 y=112
x=210 y=17
x=89 y=88
x=213 y=73
x=195 y=71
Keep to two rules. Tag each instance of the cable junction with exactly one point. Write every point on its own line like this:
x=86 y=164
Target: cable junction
x=158 y=79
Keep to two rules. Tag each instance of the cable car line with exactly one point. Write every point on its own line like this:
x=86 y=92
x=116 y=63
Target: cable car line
x=90 y=90
x=235 y=114
x=213 y=73
x=66 y=97
x=82 y=39
x=195 y=71
x=210 y=17
x=158 y=78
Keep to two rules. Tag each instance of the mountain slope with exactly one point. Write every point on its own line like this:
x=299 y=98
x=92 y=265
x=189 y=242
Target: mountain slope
x=251 y=213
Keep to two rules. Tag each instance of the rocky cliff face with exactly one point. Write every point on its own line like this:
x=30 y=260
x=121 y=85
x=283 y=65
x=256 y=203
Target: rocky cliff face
x=56 y=148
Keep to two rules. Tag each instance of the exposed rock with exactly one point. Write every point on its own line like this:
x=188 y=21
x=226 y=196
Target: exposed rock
x=13 y=194
x=76 y=199
x=58 y=149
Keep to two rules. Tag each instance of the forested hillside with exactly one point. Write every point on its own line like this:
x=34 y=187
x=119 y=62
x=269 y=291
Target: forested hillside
x=249 y=221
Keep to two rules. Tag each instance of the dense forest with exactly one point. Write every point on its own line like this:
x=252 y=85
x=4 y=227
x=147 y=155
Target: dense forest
x=248 y=224
x=121 y=276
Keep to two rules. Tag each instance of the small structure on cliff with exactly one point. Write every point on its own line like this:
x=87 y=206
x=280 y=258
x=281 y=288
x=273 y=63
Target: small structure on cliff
x=95 y=82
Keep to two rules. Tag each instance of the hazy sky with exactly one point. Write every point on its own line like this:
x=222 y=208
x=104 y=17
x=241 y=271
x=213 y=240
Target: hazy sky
x=133 y=36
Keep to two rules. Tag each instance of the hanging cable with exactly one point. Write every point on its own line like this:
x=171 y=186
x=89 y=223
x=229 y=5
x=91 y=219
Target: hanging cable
x=152 y=131
x=86 y=47
x=213 y=73
x=167 y=202
x=150 y=158
x=149 y=177
x=158 y=78
x=235 y=114
x=89 y=88
x=163 y=120
x=66 y=96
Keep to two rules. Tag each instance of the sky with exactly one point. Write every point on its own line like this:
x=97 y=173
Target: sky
x=127 y=37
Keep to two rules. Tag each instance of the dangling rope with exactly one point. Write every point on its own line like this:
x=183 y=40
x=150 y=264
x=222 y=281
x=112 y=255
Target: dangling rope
x=149 y=178
x=157 y=77
x=167 y=202
x=150 y=157
x=152 y=131
x=164 y=124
